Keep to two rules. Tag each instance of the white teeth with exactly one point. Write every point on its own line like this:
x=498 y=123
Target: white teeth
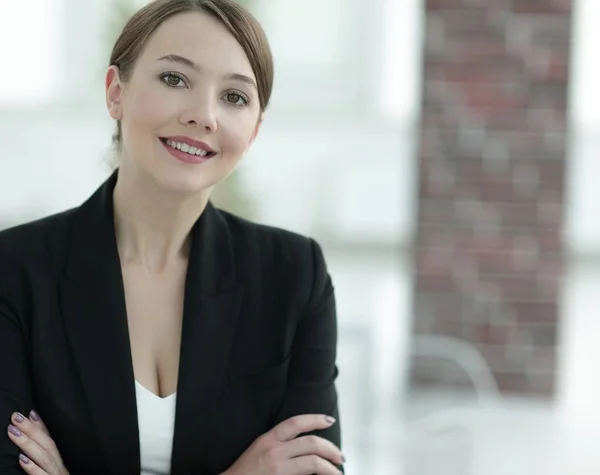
x=186 y=148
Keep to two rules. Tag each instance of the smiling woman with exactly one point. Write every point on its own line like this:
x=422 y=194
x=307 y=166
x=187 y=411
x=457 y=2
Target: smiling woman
x=151 y=331
x=155 y=57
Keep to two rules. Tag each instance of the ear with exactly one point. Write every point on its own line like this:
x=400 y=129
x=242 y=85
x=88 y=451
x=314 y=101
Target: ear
x=114 y=90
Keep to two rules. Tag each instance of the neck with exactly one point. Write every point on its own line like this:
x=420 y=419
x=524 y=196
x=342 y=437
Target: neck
x=152 y=225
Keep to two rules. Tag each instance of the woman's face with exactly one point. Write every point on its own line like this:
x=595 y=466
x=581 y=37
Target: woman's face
x=192 y=86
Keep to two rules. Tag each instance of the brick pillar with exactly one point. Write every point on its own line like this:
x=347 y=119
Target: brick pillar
x=491 y=193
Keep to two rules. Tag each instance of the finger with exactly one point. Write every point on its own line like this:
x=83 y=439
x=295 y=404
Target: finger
x=311 y=464
x=29 y=447
x=313 y=445
x=294 y=426
x=29 y=466
x=38 y=421
x=33 y=431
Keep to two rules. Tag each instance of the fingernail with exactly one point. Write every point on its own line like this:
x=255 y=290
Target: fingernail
x=14 y=431
x=330 y=419
x=24 y=458
x=19 y=418
x=343 y=459
x=34 y=416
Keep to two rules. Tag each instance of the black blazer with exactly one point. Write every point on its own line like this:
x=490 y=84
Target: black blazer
x=258 y=342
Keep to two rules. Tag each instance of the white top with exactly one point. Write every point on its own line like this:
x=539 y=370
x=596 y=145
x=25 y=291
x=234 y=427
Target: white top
x=156 y=420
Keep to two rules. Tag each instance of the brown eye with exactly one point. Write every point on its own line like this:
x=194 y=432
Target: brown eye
x=236 y=99
x=173 y=80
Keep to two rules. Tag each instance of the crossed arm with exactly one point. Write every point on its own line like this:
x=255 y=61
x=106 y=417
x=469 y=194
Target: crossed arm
x=305 y=440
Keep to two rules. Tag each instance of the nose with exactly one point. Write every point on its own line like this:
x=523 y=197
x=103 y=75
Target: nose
x=201 y=113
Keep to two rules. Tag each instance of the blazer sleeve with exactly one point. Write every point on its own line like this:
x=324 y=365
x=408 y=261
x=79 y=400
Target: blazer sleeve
x=15 y=375
x=313 y=371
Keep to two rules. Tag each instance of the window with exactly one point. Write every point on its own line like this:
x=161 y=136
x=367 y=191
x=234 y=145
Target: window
x=306 y=32
x=30 y=35
x=400 y=59
x=583 y=226
x=353 y=57
x=316 y=46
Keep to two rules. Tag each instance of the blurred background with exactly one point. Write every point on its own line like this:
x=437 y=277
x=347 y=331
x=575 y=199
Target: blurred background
x=443 y=152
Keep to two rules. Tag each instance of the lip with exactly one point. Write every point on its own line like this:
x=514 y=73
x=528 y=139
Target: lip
x=185 y=157
x=191 y=141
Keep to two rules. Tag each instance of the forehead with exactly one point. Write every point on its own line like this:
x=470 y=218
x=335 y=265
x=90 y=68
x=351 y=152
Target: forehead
x=203 y=39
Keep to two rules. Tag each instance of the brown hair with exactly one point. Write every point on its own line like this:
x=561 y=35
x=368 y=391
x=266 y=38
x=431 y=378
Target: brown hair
x=238 y=20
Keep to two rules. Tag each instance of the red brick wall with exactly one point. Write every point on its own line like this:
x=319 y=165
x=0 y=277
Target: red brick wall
x=492 y=173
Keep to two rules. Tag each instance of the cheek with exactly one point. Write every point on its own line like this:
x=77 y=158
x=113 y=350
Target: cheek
x=151 y=110
x=237 y=131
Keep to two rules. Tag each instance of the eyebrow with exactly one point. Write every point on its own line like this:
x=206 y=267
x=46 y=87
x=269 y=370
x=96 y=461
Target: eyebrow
x=175 y=58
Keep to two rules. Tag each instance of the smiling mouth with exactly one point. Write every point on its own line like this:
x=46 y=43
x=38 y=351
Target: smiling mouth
x=183 y=147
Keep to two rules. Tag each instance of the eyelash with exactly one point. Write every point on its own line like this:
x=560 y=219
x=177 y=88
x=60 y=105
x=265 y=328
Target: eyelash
x=168 y=74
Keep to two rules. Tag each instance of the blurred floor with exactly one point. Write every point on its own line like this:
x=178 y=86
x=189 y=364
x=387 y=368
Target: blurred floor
x=515 y=437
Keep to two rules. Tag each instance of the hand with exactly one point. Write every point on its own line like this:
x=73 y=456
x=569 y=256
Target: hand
x=280 y=452
x=39 y=453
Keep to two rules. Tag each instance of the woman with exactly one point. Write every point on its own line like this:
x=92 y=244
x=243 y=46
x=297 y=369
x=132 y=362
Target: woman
x=151 y=331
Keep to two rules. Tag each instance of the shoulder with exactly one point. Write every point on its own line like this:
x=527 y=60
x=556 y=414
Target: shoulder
x=35 y=240
x=270 y=242
x=287 y=262
x=289 y=265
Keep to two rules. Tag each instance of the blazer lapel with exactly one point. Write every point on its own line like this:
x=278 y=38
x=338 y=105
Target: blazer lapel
x=94 y=311
x=211 y=308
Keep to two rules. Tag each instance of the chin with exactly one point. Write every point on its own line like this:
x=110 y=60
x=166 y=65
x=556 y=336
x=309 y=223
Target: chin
x=184 y=179
x=184 y=186
x=185 y=182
